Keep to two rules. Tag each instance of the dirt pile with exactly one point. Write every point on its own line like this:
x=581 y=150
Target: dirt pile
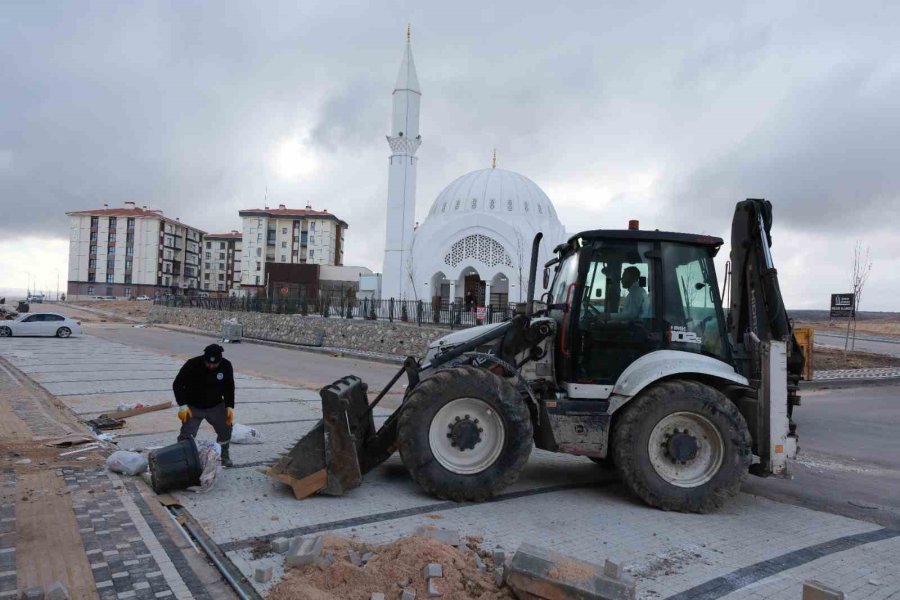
x=390 y=569
x=127 y=308
x=826 y=359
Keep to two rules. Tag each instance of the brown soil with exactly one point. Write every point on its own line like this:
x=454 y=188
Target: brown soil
x=826 y=359
x=394 y=567
x=885 y=326
x=569 y=569
x=127 y=308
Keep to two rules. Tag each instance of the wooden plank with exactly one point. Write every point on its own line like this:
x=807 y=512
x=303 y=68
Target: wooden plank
x=305 y=487
x=137 y=411
x=48 y=544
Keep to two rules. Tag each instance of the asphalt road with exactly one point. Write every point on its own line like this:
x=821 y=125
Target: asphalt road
x=850 y=448
x=876 y=345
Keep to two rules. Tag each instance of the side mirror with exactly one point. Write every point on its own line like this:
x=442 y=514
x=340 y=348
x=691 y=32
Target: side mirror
x=546 y=277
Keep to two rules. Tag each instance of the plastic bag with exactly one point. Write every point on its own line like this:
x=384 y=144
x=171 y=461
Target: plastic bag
x=124 y=407
x=244 y=434
x=210 y=454
x=129 y=463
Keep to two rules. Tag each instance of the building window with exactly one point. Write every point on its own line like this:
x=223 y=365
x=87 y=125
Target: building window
x=93 y=236
x=90 y=288
x=93 y=249
x=129 y=251
x=259 y=251
x=257 y=280
x=130 y=222
x=166 y=280
x=92 y=263
x=112 y=222
x=112 y=237
x=208 y=246
x=221 y=256
x=206 y=276
x=111 y=250
x=208 y=255
x=284 y=231
x=258 y=266
x=206 y=265
x=221 y=287
x=109 y=278
x=128 y=265
x=312 y=254
x=221 y=277
x=221 y=266
x=92 y=277
x=127 y=291
x=283 y=258
x=94 y=222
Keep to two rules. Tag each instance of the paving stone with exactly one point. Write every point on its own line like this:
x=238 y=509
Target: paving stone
x=433 y=591
x=376 y=596
x=34 y=593
x=408 y=594
x=355 y=558
x=543 y=573
x=303 y=551
x=262 y=574
x=816 y=590
x=57 y=591
x=280 y=545
x=367 y=557
x=480 y=563
x=446 y=536
x=434 y=570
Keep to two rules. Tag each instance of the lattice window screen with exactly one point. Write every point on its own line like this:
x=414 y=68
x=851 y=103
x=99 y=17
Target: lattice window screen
x=479 y=247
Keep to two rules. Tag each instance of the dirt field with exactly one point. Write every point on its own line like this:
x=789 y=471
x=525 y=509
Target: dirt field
x=885 y=326
x=127 y=308
x=827 y=359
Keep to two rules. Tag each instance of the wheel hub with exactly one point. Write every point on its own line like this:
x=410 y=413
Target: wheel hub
x=464 y=433
x=682 y=447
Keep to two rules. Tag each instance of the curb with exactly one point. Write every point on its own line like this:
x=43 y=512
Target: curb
x=342 y=352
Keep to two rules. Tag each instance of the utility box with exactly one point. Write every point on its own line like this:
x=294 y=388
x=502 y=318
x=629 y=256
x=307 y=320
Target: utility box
x=232 y=331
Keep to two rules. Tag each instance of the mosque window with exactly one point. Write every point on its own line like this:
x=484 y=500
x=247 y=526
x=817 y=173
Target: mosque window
x=525 y=205
x=456 y=207
x=444 y=207
x=540 y=209
x=509 y=205
x=474 y=203
x=492 y=204
x=479 y=247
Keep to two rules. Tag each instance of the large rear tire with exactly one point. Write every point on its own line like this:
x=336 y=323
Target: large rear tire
x=682 y=445
x=465 y=434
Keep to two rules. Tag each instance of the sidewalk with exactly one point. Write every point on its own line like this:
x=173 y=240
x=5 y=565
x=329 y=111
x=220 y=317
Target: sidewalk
x=67 y=519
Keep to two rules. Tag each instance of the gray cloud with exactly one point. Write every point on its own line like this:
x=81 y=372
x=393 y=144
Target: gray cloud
x=668 y=114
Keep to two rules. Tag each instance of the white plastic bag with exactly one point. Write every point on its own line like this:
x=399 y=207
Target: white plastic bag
x=129 y=463
x=244 y=434
x=210 y=454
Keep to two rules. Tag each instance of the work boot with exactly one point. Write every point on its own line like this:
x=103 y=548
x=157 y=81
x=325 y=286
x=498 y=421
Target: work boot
x=226 y=460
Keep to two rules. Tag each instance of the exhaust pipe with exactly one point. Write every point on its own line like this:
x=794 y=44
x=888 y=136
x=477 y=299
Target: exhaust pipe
x=532 y=272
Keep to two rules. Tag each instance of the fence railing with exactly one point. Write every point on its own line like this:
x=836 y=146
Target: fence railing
x=452 y=315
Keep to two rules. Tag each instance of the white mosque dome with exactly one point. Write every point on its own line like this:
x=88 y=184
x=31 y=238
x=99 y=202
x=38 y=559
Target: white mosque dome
x=496 y=192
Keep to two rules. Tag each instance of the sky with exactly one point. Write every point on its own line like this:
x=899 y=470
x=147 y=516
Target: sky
x=669 y=113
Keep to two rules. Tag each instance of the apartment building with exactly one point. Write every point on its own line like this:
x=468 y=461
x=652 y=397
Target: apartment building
x=131 y=251
x=288 y=236
x=222 y=263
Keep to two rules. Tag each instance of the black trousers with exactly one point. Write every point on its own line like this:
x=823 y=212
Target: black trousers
x=215 y=416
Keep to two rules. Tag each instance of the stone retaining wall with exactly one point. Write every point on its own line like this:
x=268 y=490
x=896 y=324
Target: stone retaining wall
x=368 y=336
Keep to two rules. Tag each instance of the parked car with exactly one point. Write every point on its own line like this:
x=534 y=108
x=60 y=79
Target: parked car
x=142 y=297
x=40 y=324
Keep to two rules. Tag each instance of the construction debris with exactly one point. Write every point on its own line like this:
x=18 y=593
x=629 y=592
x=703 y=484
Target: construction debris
x=57 y=591
x=136 y=411
x=72 y=439
x=262 y=574
x=82 y=449
x=539 y=573
x=303 y=551
x=816 y=590
x=105 y=423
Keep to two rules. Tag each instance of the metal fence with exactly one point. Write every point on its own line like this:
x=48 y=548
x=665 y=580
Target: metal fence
x=452 y=315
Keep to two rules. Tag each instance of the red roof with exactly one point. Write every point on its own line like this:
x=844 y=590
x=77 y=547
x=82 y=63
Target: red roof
x=225 y=236
x=129 y=212
x=289 y=213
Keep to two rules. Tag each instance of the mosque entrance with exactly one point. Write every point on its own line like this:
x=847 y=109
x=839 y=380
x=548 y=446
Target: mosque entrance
x=473 y=294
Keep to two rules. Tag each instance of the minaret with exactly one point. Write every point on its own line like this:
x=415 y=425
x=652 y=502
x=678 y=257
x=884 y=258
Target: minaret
x=404 y=140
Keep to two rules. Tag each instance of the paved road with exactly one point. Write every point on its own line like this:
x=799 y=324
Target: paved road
x=877 y=345
x=850 y=450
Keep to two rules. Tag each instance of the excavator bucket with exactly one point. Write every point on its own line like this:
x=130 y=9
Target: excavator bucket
x=327 y=459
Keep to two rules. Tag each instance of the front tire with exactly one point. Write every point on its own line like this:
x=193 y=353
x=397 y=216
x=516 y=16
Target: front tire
x=5 y=332
x=682 y=445
x=465 y=434
x=63 y=332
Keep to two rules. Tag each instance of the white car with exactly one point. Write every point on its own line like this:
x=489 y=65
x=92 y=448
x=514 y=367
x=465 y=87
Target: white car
x=142 y=298
x=40 y=324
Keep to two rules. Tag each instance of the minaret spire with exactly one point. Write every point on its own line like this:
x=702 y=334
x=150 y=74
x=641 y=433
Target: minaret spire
x=494 y=162
x=403 y=140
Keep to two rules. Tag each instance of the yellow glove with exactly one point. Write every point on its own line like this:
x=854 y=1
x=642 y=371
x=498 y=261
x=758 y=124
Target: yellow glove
x=229 y=417
x=184 y=413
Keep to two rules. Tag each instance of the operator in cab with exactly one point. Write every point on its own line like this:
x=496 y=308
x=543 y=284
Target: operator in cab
x=631 y=308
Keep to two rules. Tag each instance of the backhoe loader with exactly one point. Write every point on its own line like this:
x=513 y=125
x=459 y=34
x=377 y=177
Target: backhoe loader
x=629 y=359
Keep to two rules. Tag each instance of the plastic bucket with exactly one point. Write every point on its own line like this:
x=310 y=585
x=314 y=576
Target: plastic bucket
x=175 y=467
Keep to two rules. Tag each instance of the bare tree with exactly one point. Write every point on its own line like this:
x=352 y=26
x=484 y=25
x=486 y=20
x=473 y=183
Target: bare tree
x=859 y=273
x=520 y=258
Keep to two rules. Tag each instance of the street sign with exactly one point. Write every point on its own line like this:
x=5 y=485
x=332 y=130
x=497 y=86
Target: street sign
x=481 y=313
x=842 y=305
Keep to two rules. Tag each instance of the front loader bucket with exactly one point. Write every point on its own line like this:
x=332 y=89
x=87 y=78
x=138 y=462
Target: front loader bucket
x=327 y=459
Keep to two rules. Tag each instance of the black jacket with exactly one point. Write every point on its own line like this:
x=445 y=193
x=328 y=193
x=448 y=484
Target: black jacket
x=195 y=385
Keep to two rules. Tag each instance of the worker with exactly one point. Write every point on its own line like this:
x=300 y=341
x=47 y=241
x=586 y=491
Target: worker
x=632 y=306
x=204 y=389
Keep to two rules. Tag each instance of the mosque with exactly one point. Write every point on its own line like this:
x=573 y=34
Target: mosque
x=475 y=242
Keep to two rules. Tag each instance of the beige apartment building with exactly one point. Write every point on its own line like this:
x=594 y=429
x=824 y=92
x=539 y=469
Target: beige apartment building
x=221 y=263
x=288 y=236
x=131 y=251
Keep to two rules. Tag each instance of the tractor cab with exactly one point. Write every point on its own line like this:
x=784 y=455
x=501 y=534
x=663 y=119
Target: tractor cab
x=619 y=295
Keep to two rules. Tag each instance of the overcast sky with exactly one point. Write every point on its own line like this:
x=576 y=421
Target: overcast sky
x=617 y=110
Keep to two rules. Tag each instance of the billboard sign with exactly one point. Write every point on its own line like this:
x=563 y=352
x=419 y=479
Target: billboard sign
x=842 y=305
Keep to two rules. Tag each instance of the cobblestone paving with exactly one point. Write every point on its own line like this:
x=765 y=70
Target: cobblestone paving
x=8 y=587
x=753 y=548
x=872 y=373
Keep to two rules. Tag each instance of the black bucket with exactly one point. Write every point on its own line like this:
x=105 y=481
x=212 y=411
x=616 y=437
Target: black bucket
x=175 y=467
